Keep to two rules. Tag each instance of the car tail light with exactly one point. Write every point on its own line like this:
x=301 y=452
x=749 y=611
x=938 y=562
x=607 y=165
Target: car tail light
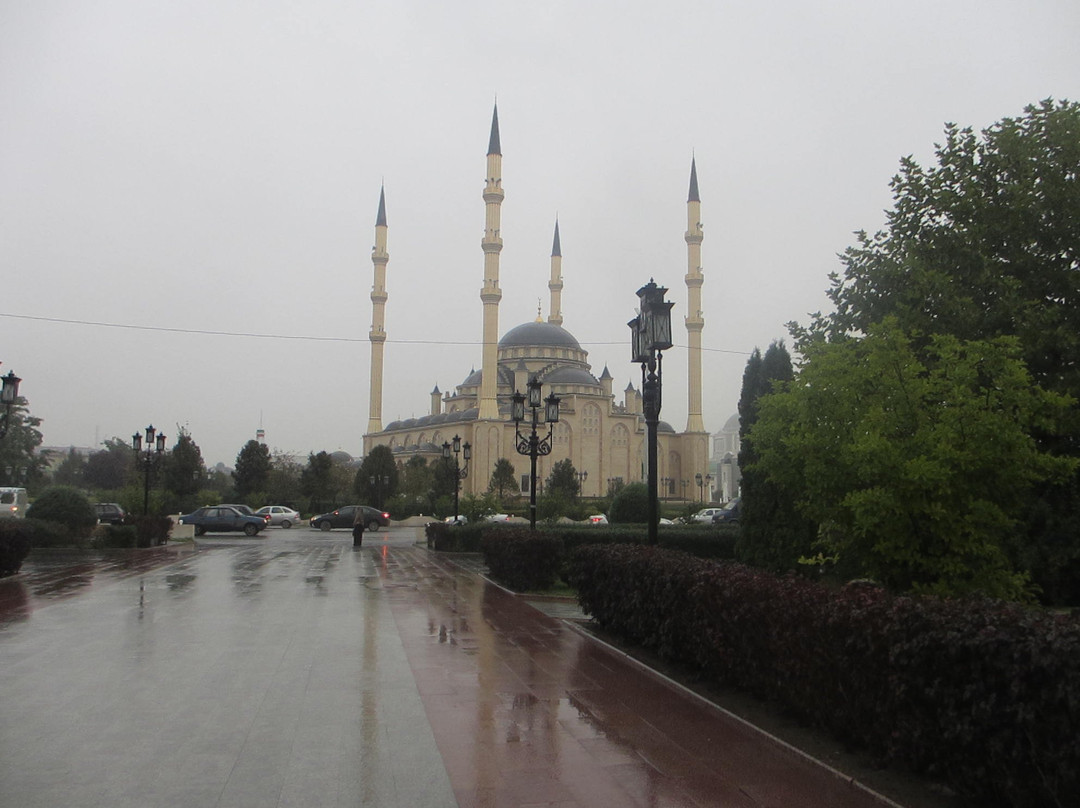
x=385 y=516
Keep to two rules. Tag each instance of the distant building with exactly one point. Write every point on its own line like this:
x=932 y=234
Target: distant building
x=602 y=437
x=725 y=460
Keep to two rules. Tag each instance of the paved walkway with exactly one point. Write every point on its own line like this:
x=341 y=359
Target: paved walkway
x=297 y=671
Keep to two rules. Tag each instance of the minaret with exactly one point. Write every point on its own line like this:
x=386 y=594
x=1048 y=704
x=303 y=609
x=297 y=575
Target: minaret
x=695 y=322
x=379 y=257
x=555 y=284
x=490 y=293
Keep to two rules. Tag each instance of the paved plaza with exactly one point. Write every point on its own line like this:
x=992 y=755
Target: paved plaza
x=295 y=670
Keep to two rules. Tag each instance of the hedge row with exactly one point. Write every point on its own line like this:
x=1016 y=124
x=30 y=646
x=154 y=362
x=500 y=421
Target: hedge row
x=523 y=559
x=981 y=694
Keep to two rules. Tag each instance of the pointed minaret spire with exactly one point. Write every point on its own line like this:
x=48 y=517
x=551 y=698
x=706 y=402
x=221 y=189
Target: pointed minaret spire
x=490 y=293
x=693 y=197
x=555 y=285
x=379 y=258
x=494 y=147
x=695 y=321
x=380 y=220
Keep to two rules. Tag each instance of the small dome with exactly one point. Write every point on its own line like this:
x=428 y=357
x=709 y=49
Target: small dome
x=571 y=375
x=528 y=334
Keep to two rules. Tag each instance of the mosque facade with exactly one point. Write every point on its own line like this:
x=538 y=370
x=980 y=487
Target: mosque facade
x=603 y=437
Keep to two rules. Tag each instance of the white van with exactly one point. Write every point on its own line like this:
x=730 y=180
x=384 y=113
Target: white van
x=13 y=503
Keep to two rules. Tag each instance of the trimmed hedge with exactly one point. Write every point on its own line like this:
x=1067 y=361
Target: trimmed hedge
x=454 y=538
x=522 y=559
x=982 y=694
x=14 y=545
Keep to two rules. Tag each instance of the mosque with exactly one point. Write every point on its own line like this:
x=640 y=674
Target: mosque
x=605 y=439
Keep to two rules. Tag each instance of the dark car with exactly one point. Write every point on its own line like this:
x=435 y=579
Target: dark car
x=729 y=513
x=244 y=509
x=220 y=518
x=344 y=517
x=109 y=513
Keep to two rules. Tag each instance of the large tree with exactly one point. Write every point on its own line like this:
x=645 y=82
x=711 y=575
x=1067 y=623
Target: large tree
x=913 y=455
x=377 y=478
x=110 y=468
x=985 y=244
x=317 y=481
x=184 y=471
x=18 y=448
x=503 y=479
x=774 y=534
x=252 y=469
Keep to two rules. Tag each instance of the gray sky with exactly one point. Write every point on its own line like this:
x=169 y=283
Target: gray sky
x=215 y=166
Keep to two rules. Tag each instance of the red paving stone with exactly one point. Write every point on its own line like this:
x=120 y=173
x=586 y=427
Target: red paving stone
x=527 y=711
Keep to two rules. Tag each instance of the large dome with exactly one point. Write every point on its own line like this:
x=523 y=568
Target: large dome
x=529 y=334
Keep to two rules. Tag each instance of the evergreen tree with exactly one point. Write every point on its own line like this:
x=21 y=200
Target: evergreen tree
x=183 y=473
x=18 y=449
x=563 y=481
x=252 y=469
x=317 y=481
x=773 y=533
x=503 y=479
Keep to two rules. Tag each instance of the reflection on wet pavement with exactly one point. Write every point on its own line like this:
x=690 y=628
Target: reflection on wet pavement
x=301 y=671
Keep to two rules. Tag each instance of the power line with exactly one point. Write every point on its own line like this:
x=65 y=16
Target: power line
x=296 y=337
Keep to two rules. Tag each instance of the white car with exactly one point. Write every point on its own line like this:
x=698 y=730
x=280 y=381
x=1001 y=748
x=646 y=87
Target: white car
x=705 y=515
x=279 y=515
x=498 y=517
x=598 y=519
x=460 y=519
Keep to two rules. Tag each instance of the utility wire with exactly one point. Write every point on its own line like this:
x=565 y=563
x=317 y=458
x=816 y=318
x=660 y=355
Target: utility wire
x=298 y=337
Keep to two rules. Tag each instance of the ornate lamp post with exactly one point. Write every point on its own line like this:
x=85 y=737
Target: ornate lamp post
x=380 y=484
x=582 y=476
x=532 y=444
x=460 y=472
x=148 y=459
x=650 y=337
x=684 y=484
x=8 y=396
x=700 y=489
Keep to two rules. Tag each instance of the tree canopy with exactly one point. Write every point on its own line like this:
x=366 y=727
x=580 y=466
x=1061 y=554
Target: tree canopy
x=252 y=469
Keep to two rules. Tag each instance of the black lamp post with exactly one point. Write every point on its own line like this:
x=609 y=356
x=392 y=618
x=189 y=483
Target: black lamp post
x=650 y=337
x=700 y=489
x=148 y=459
x=684 y=484
x=582 y=476
x=532 y=444
x=460 y=472
x=380 y=484
x=8 y=395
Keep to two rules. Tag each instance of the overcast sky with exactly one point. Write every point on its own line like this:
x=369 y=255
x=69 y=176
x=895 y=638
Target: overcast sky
x=177 y=177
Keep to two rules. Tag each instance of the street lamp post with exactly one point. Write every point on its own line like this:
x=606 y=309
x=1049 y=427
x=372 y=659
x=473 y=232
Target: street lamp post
x=460 y=472
x=700 y=489
x=380 y=484
x=650 y=337
x=8 y=395
x=582 y=476
x=148 y=459
x=532 y=444
x=684 y=484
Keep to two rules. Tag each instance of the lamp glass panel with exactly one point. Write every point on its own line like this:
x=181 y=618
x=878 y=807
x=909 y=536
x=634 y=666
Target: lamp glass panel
x=534 y=393
x=551 y=409
x=517 y=407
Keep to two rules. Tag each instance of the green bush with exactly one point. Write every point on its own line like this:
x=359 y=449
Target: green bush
x=982 y=694
x=454 y=538
x=113 y=536
x=15 y=543
x=631 y=504
x=521 y=559
x=66 y=506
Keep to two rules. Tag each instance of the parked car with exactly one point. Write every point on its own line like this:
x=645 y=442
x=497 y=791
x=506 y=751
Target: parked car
x=279 y=515
x=598 y=519
x=705 y=515
x=223 y=518
x=460 y=519
x=244 y=509
x=13 y=503
x=344 y=517
x=729 y=513
x=109 y=513
x=497 y=517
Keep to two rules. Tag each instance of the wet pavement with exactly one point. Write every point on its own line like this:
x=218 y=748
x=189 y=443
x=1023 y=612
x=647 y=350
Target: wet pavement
x=293 y=670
